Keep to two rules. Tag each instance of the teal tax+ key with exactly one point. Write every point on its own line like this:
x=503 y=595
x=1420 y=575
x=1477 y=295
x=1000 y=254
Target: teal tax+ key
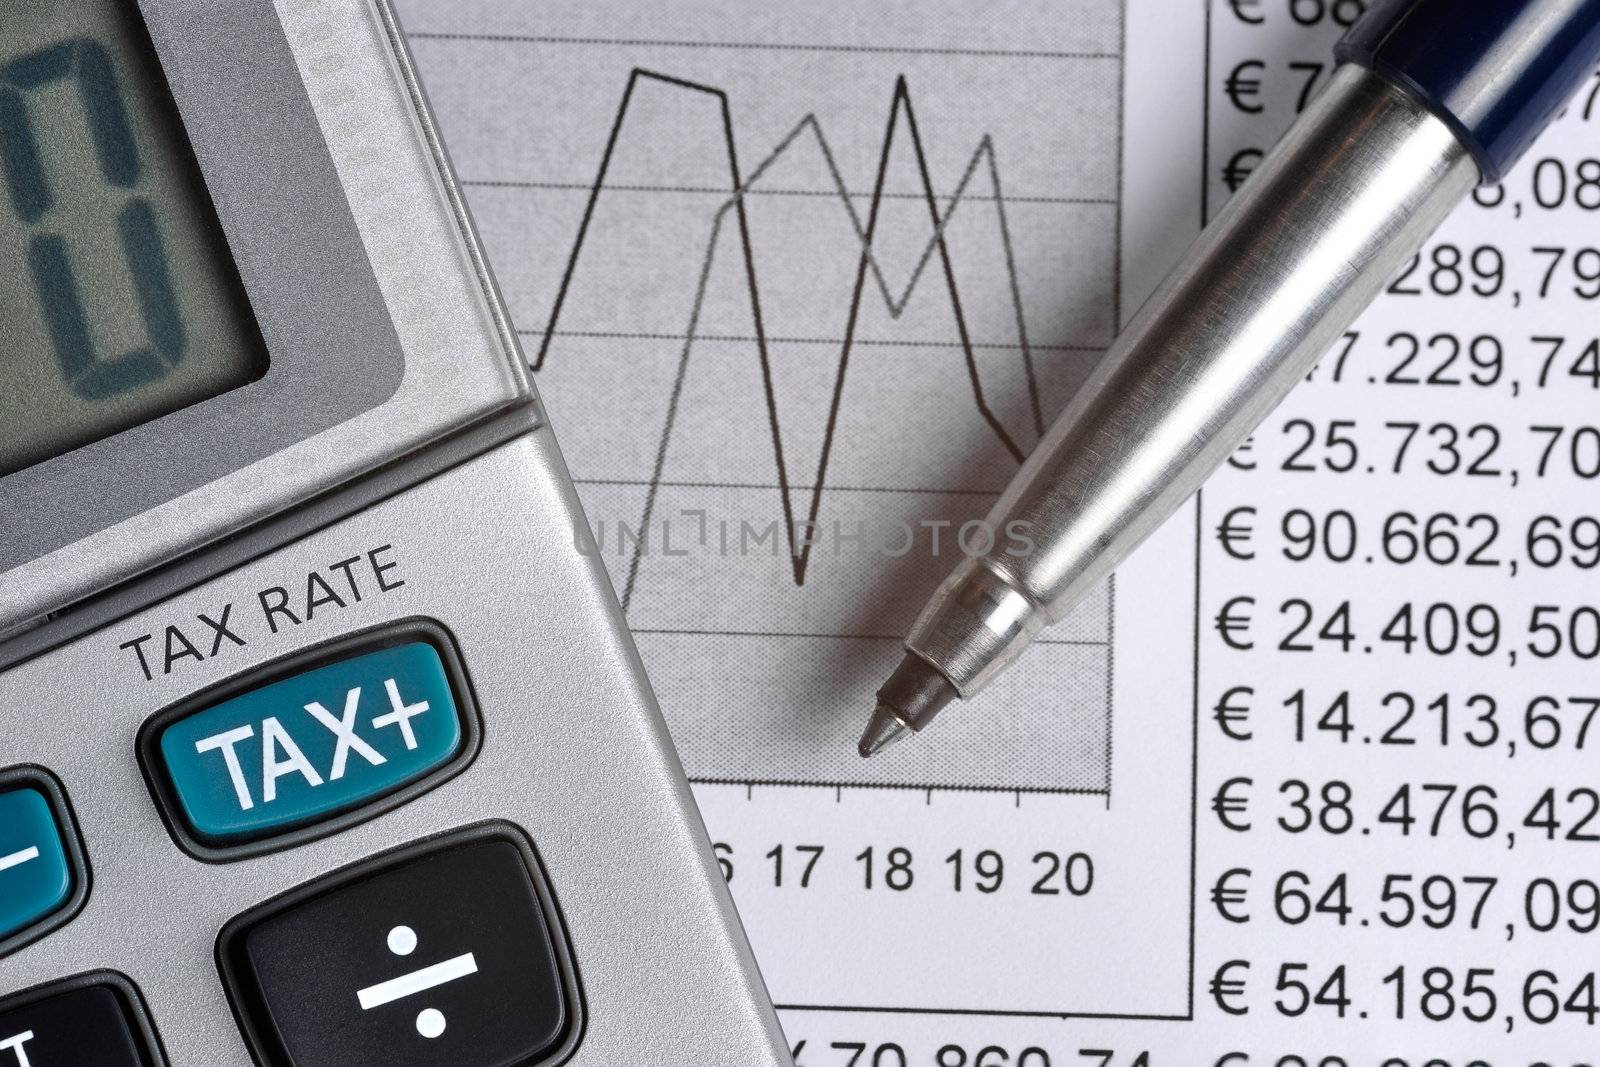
x=36 y=876
x=314 y=747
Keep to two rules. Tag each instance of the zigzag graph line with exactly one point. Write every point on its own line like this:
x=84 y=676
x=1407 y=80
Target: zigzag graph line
x=900 y=110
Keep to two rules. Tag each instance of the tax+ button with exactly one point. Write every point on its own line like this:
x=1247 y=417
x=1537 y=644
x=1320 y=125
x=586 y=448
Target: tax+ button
x=445 y=955
x=313 y=742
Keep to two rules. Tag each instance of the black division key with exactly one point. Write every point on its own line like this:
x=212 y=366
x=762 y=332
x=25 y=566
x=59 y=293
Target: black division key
x=447 y=955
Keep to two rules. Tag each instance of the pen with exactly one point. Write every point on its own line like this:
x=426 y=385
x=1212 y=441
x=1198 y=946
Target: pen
x=1430 y=98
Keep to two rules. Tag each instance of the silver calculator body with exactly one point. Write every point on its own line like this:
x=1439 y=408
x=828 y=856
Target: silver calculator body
x=256 y=872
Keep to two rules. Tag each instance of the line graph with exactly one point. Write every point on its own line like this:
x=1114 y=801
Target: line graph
x=900 y=111
x=867 y=320
x=811 y=268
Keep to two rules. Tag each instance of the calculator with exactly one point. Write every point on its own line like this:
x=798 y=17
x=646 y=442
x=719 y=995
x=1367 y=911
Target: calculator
x=322 y=740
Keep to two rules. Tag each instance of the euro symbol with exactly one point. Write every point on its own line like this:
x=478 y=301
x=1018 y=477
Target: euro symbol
x=1242 y=87
x=1235 y=527
x=1240 y=167
x=1225 y=988
x=1231 y=809
x=1241 y=6
x=1232 y=711
x=1238 y=460
x=1226 y=897
x=1233 y=623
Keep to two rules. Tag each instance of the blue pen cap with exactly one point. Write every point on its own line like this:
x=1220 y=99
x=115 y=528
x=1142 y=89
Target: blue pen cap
x=1496 y=70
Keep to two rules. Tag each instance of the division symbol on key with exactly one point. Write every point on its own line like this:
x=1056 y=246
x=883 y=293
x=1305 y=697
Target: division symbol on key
x=403 y=942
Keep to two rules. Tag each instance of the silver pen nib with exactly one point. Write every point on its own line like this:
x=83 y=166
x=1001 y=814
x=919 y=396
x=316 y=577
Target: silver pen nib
x=911 y=697
x=884 y=730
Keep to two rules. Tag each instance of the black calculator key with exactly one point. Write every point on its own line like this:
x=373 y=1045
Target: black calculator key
x=449 y=956
x=93 y=1022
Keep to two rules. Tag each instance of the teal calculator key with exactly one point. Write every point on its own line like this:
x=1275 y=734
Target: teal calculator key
x=36 y=866
x=317 y=743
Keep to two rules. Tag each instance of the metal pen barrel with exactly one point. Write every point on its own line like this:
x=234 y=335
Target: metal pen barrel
x=1433 y=97
x=1332 y=214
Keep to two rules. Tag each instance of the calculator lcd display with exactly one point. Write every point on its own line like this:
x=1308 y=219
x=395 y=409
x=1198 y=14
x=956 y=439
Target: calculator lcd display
x=119 y=300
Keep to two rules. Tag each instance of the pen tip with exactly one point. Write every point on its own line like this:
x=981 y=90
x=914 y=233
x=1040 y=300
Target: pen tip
x=884 y=730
